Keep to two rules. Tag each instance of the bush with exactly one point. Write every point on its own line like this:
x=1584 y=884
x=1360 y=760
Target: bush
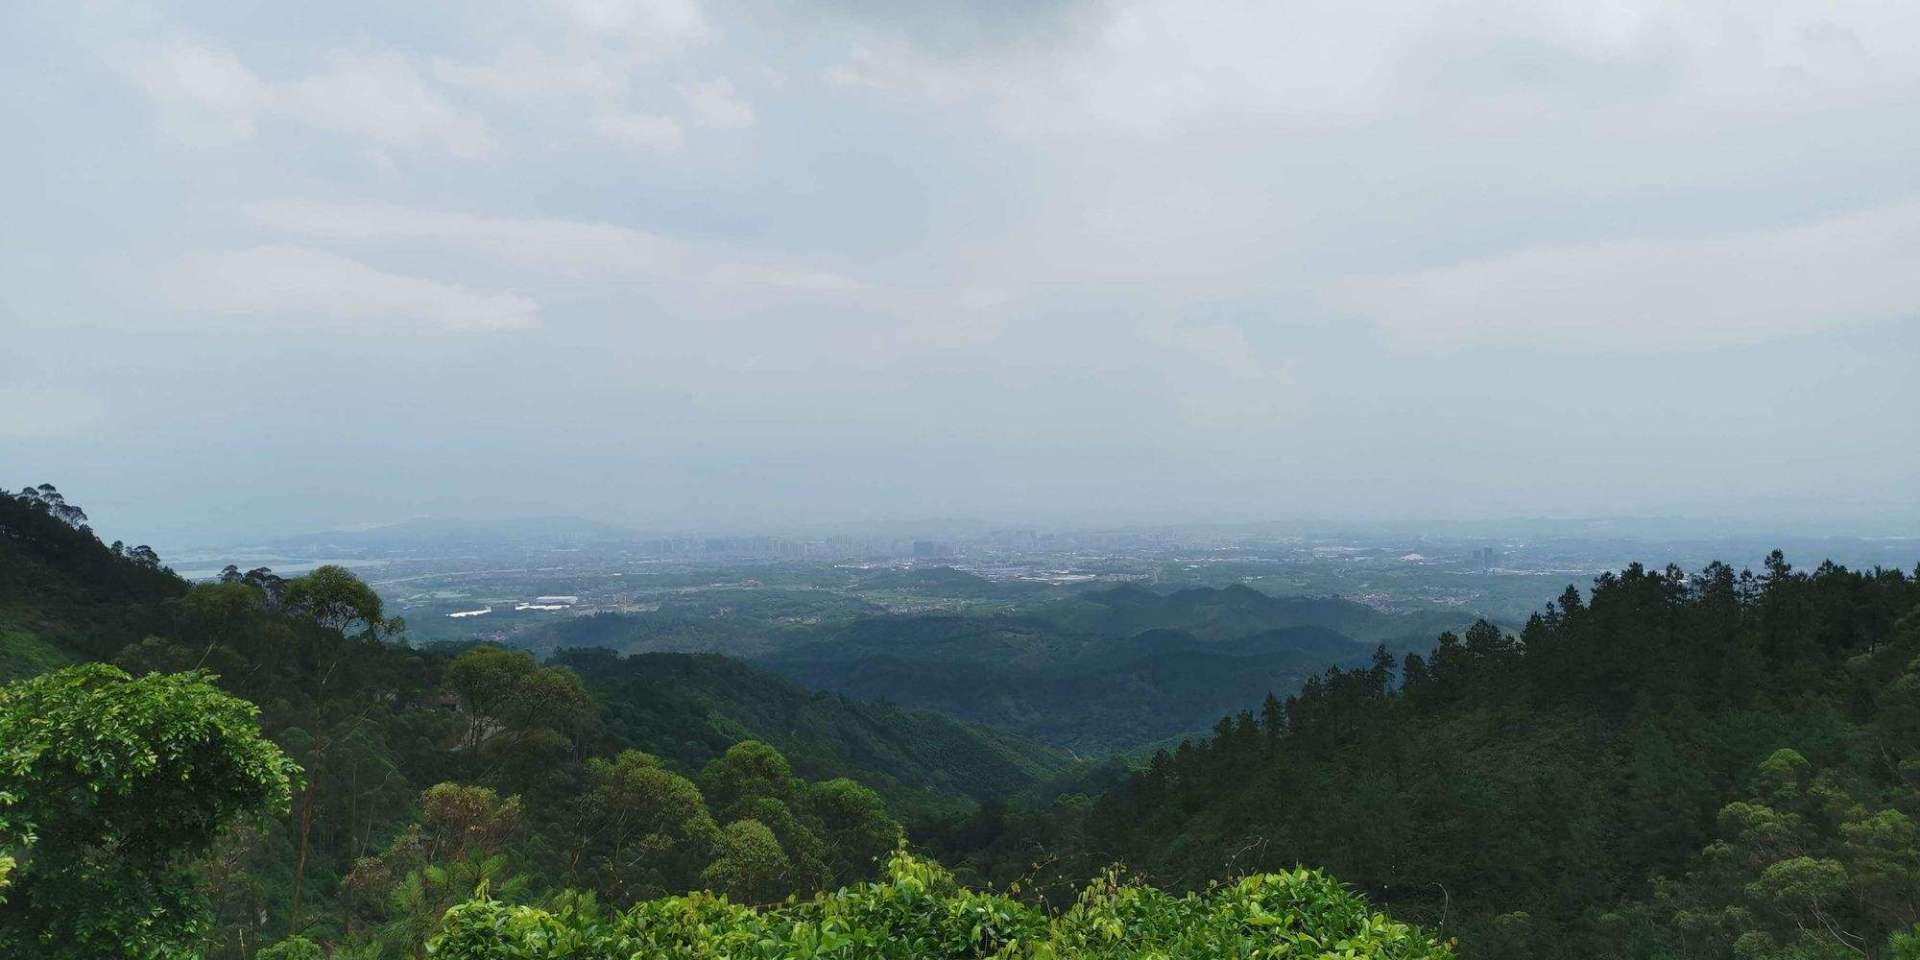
x=919 y=913
x=292 y=948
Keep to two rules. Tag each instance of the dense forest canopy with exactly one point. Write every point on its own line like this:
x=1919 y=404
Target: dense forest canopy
x=1719 y=764
x=421 y=773
x=1710 y=765
x=1094 y=672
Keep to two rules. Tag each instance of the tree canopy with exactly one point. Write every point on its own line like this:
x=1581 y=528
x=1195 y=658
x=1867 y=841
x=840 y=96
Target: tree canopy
x=110 y=786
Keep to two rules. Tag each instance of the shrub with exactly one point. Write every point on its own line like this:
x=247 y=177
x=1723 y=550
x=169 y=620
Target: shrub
x=919 y=913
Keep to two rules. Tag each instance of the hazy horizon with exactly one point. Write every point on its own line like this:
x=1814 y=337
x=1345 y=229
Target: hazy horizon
x=685 y=266
x=1648 y=540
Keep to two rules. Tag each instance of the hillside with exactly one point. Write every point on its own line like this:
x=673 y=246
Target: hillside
x=1238 y=611
x=1093 y=670
x=1089 y=695
x=393 y=741
x=690 y=707
x=1672 y=766
x=64 y=596
x=1108 y=671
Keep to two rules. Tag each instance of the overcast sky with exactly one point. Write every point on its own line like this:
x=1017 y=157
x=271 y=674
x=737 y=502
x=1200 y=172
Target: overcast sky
x=687 y=264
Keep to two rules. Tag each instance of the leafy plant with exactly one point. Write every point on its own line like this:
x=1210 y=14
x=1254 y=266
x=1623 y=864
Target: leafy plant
x=109 y=787
x=919 y=913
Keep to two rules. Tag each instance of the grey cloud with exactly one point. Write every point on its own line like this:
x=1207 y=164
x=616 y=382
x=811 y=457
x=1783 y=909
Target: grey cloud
x=1125 y=256
x=1645 y=295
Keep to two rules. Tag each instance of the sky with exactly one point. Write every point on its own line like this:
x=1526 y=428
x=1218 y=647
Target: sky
x=745 y=266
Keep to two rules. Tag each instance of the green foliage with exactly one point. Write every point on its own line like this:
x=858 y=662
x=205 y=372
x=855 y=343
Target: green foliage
x=109 y=785
x=918 y=913
x=750 y=863
x=1676 y=765
x=1804 y=868
x=365 y=859
x=74 y=596
x=508 y=698
x=638 y=831
x=1106 y=672
x=643 y=830
x=292 y=948
x=688 y=709
x=336 y=599
x=1711 y=766
x=24 y=654
x=1904 y=945
x=457 y=846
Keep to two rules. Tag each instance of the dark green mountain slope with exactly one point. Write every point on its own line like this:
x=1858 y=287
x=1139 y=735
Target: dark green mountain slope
x=63 y=595
x=1108 y=671
x=1238 y=611
x=1711 y=766
x=1092 y=670
x=1087 y=694
x=691 y=707
x=427 y=771
x=64 y=598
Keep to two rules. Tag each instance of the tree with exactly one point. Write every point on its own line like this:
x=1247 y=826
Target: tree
x=644 y=830
x=753 y=782
x=457 y=847
x=854 y=828
x=748 y=771
x=49 y=499
x=750 y=865
x=109 y=787
x=338 y=600
x=507 y=694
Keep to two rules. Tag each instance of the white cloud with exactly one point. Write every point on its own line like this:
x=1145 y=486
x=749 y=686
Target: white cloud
x=795 y=278
x=523 y=71
x=642 y=28
x=551 y=247
x=1147 y=66
x=642 y=132
x=714 y=104
x=284 y=282
x=546 y=248
x=203 y=94
x=382 y=97
x=1640 y=295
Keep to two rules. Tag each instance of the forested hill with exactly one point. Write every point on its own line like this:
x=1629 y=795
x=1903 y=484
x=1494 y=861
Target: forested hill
x=64 y=596
x=691 y=707
x=1107 y=671
x=1227 y=613
x=1092 y=696
x=1716 y=765
x=398 y=746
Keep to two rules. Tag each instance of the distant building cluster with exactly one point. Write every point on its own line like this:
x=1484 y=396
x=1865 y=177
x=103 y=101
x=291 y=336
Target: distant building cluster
x=550 y=602
x=1487 y=557
x=554 y=602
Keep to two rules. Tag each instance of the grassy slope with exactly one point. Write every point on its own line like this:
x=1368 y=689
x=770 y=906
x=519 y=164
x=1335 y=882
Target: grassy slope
x=24 y=654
